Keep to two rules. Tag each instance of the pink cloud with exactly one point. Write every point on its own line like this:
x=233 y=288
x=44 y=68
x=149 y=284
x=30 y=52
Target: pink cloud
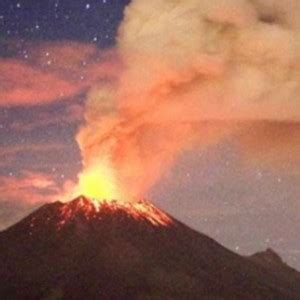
x=15 y=149
x=73 y=114
x=29 y=188
x=53 y=71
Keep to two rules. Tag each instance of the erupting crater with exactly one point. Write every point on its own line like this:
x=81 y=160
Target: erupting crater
x=94 y=208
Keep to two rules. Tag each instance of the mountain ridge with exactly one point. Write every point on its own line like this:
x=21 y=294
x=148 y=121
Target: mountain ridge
x=112 y=254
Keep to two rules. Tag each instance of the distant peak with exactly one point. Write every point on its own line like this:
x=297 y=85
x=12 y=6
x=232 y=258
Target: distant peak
x=268 y=256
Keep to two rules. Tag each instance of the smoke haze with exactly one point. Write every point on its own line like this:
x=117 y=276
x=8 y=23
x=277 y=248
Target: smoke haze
x=196 y=72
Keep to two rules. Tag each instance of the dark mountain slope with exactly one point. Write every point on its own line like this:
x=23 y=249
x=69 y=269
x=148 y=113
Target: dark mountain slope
x=118 y=251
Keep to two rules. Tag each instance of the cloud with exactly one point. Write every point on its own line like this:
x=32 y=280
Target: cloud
x=19 y=195
x=32 y=187
x=276 y=144
x=53 y=71
x=72 y=114
x=188 y=64
x=29 y=187
x=7 y=162
x=22 y=84
x=15 y=149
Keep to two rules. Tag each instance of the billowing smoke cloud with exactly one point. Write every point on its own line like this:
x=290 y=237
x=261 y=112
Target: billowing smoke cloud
x=194 y=71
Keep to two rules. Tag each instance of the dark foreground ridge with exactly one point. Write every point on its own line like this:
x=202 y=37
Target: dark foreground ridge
x=82 y=251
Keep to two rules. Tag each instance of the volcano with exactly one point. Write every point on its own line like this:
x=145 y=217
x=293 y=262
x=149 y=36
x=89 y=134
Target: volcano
x=86 y=249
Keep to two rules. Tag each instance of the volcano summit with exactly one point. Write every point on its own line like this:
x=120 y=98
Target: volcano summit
x=85 y=249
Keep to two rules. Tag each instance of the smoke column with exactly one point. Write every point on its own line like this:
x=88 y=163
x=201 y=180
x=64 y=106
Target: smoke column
x=194 y=72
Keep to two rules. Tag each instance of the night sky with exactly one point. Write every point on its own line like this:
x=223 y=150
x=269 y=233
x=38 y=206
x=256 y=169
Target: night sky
x=59 y=44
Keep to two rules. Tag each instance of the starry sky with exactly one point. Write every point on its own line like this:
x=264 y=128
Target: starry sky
x=50 y=56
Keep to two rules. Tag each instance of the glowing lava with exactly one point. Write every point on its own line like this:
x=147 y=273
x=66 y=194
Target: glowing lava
x=95 y=209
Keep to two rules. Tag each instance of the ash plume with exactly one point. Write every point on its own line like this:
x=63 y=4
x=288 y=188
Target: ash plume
x=195 y=72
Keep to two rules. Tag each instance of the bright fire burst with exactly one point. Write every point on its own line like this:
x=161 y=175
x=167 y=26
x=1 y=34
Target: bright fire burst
x=102 y=194
x=98 y=182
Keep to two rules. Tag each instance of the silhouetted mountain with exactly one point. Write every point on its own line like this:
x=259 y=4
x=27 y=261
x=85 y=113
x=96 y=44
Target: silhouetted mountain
x=271 y=261
x=115 y=250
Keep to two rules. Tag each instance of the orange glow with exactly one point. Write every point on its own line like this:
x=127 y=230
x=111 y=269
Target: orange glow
x=98 y=182
x=101 y=191
x=94 y=209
